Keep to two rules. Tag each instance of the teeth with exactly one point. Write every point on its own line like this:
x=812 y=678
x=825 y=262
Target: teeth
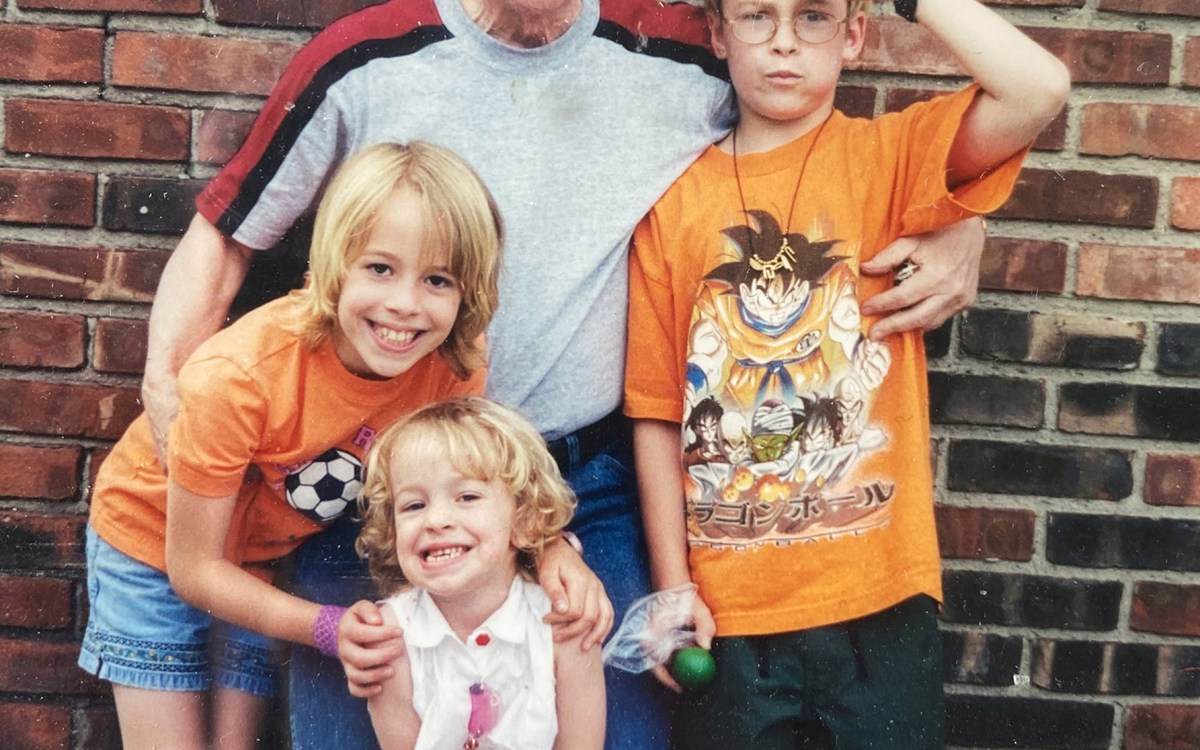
x=444 y=554
x=392 y=336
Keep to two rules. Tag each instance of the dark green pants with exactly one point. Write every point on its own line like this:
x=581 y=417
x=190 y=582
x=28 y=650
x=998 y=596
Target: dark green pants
x=868 y=684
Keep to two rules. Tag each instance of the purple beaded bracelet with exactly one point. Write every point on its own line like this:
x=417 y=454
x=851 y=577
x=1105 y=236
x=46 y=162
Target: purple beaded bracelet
x=325 y=629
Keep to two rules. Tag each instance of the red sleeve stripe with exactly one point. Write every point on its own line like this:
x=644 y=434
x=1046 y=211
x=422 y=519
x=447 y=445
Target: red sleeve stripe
x=394 y=29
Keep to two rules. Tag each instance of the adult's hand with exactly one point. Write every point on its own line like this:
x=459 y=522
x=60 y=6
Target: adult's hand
x=579 y=606
x=160 y=400
x=947 y=279
x=367 y=646
x=198 y=285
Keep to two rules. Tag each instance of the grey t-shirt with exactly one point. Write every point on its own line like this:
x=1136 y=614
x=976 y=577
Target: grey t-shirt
x=576 y=139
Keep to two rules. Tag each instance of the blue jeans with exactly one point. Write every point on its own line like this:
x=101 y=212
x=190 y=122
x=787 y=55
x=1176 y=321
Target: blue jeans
x=323 y=713
x=609 y=523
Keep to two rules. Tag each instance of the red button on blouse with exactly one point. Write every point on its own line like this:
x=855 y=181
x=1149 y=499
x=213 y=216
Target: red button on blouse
x=482 y=639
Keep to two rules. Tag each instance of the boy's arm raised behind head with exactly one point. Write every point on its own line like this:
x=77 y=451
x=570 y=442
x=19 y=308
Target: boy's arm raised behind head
x=1024 y=86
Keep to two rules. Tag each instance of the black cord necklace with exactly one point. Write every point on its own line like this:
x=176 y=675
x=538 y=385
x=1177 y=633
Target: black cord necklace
x=786 y=257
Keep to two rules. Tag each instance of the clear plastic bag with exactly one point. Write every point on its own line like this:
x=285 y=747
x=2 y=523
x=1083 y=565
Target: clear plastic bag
x=655 y=627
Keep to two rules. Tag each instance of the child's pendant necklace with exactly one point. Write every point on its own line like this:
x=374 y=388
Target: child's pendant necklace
x=485 y=714
x=786 y=257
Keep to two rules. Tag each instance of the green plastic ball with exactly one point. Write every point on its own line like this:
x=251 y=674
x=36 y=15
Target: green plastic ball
x=693 y=667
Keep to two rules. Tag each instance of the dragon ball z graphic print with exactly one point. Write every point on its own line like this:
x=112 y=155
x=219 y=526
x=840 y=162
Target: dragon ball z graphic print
x=779 y=386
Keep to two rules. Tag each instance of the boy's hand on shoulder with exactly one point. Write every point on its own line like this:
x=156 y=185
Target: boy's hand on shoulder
x=946 y=282
x=579 y=605
x=369 y=641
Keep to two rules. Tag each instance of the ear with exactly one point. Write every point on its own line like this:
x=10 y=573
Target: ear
x=856 y=37
x=716 y=30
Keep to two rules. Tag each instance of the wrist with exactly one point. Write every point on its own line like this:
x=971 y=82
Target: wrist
x=325 y=629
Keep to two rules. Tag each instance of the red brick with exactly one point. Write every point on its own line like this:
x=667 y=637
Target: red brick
x=36 y=197
x=103 y=731
x=1159 y=131
x=36 y=603
x=1162 y=726
x=287 y=12
x=1089 y=197
x=44 y=667
x=322 y=14
x=1191 y=62
x=33 y=726
x=1153 y=274
x=1021 y=265
x=1095 y=56
x=1166 y=608
x=40 y=54
x=40 y=541
x=221 y=134
x=39 y=472
x=1172 y=480
x=856 y=101
x=67 y=409
x=895 y=45
x=1032 y=3
x=1185 y=203
x=186 y=63
x=97 y=130
x=81 y=273
x=985 y=533
x=97 y=458
x=120 y=345
x=188 y=7
x=41 y=339
x=1163 y=7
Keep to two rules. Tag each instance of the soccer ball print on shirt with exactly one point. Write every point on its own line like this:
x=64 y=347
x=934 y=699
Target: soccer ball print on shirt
x=780 y=382
x=323 y=488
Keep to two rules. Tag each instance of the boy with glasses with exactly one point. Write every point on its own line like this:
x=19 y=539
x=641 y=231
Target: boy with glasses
x=804 y=512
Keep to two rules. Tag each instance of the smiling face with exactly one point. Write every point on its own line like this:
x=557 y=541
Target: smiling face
x=784 y=81
x=398 y=300
x=454 y=533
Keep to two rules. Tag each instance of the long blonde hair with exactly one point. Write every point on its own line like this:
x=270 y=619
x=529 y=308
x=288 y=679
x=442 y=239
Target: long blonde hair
x=455 y=202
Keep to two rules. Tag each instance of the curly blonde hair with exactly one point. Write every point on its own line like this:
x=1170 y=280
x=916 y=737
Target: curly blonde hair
x=482 y=440
x=457 y=206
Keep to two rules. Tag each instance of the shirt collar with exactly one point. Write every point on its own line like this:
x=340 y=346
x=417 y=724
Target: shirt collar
x=428 y=626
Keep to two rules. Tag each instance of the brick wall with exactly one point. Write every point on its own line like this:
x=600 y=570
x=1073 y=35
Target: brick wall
x=1066 y=405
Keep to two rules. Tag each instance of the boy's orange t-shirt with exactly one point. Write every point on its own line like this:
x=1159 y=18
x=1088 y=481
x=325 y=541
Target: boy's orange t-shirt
x=805 y=446
x=266 y=417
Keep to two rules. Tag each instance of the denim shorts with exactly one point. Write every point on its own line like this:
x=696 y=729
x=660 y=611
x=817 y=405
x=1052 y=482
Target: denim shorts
x=141 y=634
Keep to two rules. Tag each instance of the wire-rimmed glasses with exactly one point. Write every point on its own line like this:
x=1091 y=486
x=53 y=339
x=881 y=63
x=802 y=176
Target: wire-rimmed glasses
x=811 y=26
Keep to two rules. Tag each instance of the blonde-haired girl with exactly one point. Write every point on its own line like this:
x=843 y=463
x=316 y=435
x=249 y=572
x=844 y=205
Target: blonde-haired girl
x=461 y=498
x=275 y=414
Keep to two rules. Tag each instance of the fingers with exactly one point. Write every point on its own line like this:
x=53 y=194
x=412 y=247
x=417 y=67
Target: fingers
x=661 y=674
x=886 y=260
x=602 y=627
x=591 y=622
x=560 y=604
x=924 y=316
